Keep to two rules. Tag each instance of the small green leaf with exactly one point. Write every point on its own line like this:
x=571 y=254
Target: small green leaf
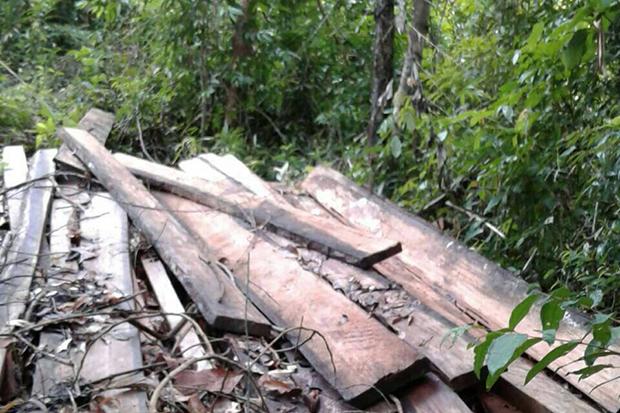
x=521 y=310
x=586 y=372
x=502 y=349
x=480 y=351
x=556 y=353
x=535 y=35
x=493 y=377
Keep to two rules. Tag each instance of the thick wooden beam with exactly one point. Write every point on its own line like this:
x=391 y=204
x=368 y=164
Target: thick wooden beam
x=355 y=246
x=96 y=122
x=15 y=173
x=219 y=301
x=356 y=354
x=23 y=253
x=437 y=266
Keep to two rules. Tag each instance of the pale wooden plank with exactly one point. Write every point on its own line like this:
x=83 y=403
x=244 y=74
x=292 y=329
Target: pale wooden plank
x=169 y=303
x=219 y=301
x=354 y=245
x=365 y=353
x=15 y=173
x=96 y=122
x=439 y=270
x=104 y=225
x=22 y=257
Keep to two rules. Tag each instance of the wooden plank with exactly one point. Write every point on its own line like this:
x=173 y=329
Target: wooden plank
x=439 y=266
x=22 y=256
x=15 y=173
x=96 y=122
x=427 y=395
x=365 y=354
x=169 y=303
x=104 y=226
x=217 y=298
x=48 y=372
x=354 y=245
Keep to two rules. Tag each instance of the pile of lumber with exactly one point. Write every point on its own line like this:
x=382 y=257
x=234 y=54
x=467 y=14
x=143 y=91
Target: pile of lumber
x=127 y=285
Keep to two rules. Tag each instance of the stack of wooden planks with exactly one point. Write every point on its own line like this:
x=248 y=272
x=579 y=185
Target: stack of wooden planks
x=357 y=294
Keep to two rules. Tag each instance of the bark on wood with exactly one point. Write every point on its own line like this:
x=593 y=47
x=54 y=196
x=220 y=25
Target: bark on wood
x=169 y=303
x=96 y=122
x=220 y=302
x=382 y=66
x=22 y=257
x=439 y=266
x=15 y=173
x=353 y=245
x=365 y=354
x=410 y=85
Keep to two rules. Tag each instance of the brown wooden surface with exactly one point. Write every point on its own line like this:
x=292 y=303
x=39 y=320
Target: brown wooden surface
x=365 y=354
x=105 y=228
x=170 y=303
x=15 y=172
x=356 y=246
x=96 y=122
x=219 y=301
x=23 y=252
x=439 y=266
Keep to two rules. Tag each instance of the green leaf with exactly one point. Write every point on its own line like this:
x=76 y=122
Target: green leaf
x=493 y=377
x=556 y=353
x=480 y=351
x=521 y=310
x=502 y=349
x=534 y=38
x=551 y=314
x=396 y=146
x=586 y=372
x=574 y=49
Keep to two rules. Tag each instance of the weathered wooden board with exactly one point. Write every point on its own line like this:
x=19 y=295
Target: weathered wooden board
x=217 y=298
x=426 y=395
x=23 y=253
x=441 y=266
x=15 y=173
x=48 y=372
x=104 y=225
x=365 y=354
x=354 y=245
x=169 y=303
x=96 y=122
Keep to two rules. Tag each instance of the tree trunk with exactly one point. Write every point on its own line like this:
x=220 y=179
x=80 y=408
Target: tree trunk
x=410 y=84
x=241 y=49
x=382 y=67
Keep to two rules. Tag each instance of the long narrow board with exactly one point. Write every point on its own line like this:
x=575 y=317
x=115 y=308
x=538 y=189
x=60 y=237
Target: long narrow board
x=169 y=303
x=23 y=254
x=96 y=122
x=355 y=246
x=217 y=298
x=49 y=372
x=365 y=355
x=15 y=173
x=104 y=226
x=481 y=288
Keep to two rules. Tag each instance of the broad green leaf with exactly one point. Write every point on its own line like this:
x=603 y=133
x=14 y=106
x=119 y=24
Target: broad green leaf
x=521 y=310
x=396 y=146
x=501 y=350
x=556 y=353
x=480 y=351
x=534 y=38
x=493 y=377
x=574 y=49
x=551 y=313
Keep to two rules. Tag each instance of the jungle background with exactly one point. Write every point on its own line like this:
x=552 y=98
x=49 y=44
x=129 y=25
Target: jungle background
x=497 y=121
